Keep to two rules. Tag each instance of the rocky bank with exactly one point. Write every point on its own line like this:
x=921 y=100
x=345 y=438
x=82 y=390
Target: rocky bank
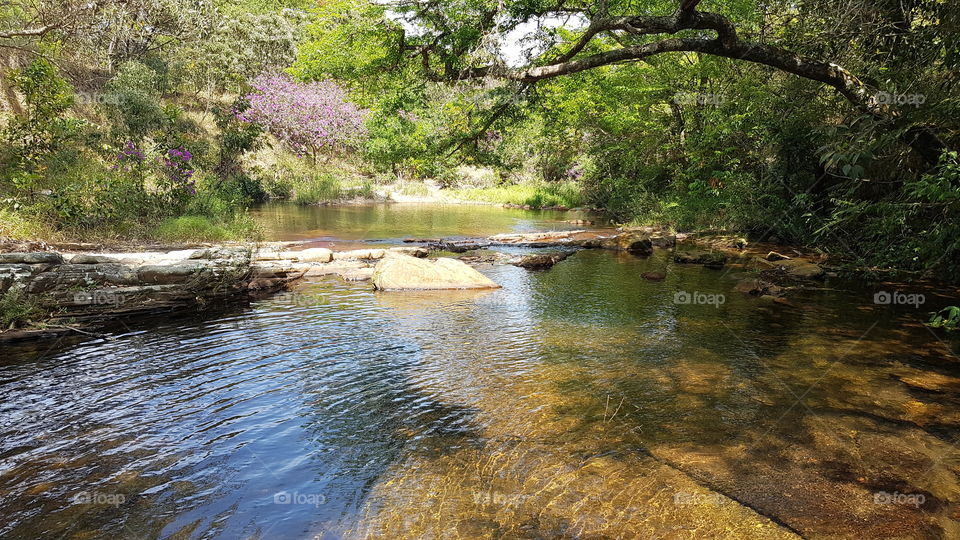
x=75 y=290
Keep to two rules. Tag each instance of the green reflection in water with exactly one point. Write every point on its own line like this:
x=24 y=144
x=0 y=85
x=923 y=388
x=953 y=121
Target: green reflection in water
x=284 y=221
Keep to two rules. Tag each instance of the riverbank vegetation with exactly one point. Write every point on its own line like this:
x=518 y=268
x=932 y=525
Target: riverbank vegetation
x=819 y=124
x=533 y=194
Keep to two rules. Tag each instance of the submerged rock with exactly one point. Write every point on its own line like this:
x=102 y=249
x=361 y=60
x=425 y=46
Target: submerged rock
x=403 y=272
x=758 y=287
x=663 y=240
x=482 y=256
x=707 y=258
x=654 y=276
x=539 y=239
x=458 y=246
x=631 y=242
x=539 y=261
x=800 y=269
x=359 y=274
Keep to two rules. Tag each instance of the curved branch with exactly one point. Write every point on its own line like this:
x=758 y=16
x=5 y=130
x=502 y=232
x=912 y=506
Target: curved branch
x=29 y=32
x=922 y=139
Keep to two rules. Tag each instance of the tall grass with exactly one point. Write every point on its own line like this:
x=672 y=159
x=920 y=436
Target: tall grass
x=317 y=188
x=238 y=226
x=23 y=226
x=17 y=308
x=537 y=195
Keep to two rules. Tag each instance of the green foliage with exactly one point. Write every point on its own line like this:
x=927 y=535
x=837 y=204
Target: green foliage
x=42 y=131
x=914 y=228
x=236 y=137
x=317 y=188
x=191 y=228
x=352 y=41
x=948 y=318
x=93 y=196
x=536 y=195
x=240 y=46
x=47 y=95
x=18 y=308
x=132 y=101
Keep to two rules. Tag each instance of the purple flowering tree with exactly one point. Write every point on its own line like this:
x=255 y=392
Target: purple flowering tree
x=311 y=118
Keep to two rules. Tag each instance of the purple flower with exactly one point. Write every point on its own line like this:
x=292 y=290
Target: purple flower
x=178 y=170
x=130 y=154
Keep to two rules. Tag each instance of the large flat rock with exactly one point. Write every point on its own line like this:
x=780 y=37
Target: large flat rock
x=403 y=272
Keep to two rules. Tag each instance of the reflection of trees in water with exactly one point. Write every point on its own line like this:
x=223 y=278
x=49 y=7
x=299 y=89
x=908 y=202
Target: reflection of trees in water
x=378 y=221
x=620 y=376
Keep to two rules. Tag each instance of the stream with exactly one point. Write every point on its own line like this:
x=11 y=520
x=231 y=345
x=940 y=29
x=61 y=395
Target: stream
x=578 y=402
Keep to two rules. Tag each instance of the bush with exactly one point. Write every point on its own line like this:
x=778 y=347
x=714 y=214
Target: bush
x=318 y=188
x=208 y=229
x=17 y=308
x=34 y=139
x=537 y=195
x=92 y=195
x=132 y=101
x=236 y=137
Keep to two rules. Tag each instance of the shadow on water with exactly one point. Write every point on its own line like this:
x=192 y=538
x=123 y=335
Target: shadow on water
x=582 y=401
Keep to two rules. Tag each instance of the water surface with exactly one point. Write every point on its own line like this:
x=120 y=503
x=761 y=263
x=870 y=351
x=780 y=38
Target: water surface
x=393 y=222
x=579 y=402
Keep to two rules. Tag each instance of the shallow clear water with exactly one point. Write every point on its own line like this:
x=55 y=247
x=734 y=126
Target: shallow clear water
x=578 y=402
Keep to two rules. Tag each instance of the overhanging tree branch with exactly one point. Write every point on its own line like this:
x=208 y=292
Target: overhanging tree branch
x=726 y=44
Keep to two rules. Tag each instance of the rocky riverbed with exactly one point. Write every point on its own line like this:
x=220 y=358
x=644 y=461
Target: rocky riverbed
x=73 y=290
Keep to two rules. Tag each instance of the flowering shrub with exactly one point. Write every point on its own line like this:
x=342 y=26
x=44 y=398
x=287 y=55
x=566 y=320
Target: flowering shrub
x=130 y=157
x=179 y=171
x=310 y=117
